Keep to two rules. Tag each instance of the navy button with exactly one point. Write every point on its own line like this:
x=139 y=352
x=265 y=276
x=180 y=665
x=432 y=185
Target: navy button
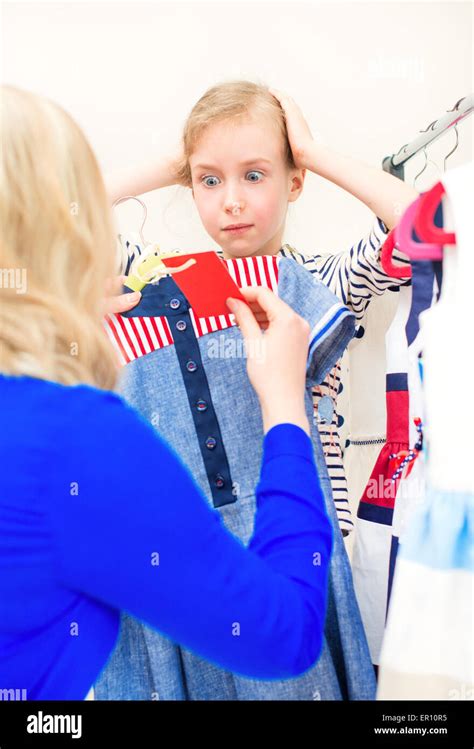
x=191 y=366
x=181 y=325
x=175 y=304
x=219 y=481
x=201 y=405
x=211 y=443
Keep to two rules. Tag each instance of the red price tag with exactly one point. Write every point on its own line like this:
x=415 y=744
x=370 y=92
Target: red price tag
x=206 y=284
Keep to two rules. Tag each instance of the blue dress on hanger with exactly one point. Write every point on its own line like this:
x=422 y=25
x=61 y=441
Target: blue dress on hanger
x=206 y=408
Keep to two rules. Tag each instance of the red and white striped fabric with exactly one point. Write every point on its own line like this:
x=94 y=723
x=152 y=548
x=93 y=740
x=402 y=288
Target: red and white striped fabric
x=133 y=337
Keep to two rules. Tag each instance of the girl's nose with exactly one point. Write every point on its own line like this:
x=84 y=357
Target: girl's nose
x=234 y=207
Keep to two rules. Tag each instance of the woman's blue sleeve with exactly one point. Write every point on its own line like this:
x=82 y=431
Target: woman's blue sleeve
x=139 y=535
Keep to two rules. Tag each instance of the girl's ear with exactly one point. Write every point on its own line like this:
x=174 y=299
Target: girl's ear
x=297 y=182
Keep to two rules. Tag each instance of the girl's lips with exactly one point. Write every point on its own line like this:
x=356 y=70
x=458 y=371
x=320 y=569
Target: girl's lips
x=240 y=230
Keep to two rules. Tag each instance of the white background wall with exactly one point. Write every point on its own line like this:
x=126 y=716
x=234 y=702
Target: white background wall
x=367 y=75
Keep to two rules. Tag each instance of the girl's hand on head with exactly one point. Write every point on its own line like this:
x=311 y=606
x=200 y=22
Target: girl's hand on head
x=299 y=134
x=176 y=161
x=163 y=171
x=276 y=358
x=115 y=302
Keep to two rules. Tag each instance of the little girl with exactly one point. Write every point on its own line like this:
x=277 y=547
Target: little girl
x=245 y=155
x=223 y=125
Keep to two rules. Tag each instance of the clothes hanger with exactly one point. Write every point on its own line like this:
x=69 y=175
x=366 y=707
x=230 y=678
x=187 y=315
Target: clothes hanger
x=404 y=239
x=424 y=227
x=424 y=221
x=148 y=266
x=145 y=214
x=423 y=169
x=404 y=230
x=396 y=271
x=394 y=238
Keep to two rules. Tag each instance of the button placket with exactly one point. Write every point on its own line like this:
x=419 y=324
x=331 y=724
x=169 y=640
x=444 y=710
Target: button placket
x=198 y=393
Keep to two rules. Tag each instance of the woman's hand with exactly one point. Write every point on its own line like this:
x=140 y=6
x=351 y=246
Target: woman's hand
x=115 y=302
x=301 y=141
x=276 y=359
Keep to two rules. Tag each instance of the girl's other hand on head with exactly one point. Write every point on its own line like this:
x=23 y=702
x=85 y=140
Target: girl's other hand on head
x=299 y=133
x=176 y=162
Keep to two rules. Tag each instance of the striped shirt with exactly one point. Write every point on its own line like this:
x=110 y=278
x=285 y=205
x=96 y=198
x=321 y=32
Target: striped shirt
x=355 y=276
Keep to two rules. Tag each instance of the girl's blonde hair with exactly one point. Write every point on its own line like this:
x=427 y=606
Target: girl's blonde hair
x=58 y=236
x=232 y=101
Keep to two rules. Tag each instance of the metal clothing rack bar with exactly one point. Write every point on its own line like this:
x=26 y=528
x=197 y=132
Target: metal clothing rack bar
x=395 y=163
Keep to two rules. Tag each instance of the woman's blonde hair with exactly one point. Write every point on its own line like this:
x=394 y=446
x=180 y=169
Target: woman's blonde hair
x=57 y=247
x=232 y=101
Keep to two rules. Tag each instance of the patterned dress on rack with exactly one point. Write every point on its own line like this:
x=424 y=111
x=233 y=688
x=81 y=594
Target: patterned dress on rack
x=355 y=276
x=427 y=650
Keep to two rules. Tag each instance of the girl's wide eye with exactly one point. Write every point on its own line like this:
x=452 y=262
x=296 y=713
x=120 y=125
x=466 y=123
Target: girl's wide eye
x=205 y=178
x=254 y=178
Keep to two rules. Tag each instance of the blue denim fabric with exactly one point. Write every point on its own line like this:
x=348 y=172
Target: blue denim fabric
x=147 y=666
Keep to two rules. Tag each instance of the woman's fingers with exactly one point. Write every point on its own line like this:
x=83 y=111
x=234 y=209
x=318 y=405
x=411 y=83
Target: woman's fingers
x=260 y=315
x=263 y=306
x=258 y=312
x=245 y=318
x=264 y=301
x=115 y=302
x=282 y=351
x=121 y=303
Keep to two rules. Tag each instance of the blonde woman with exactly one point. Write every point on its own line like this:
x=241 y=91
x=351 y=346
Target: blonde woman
x=84 y=532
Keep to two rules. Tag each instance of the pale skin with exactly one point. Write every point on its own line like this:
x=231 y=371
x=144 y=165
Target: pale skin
x=226 y=191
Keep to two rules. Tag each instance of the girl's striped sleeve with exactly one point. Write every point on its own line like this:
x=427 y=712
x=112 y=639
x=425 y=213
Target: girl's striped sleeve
x=356 y=275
